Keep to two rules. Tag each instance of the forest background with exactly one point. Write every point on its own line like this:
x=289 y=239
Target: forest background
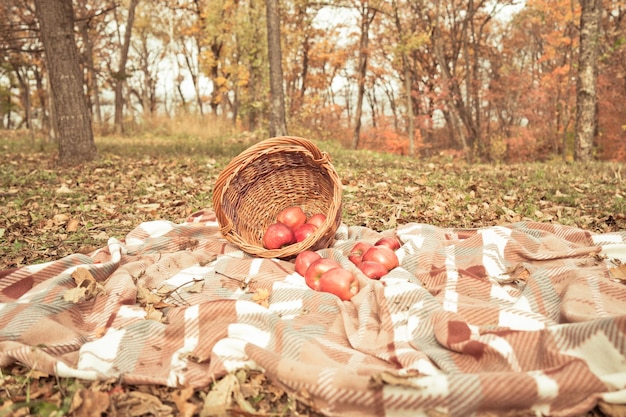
x=483 y=80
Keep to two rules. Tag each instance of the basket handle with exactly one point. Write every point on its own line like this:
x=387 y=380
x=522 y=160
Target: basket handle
x=297 y=142
x=265 y=146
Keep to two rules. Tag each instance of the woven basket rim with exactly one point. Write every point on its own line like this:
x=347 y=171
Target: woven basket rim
x=324 y=234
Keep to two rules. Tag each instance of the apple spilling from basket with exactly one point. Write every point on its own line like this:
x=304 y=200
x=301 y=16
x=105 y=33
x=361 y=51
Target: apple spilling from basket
x=291 y=226
x=327 y=275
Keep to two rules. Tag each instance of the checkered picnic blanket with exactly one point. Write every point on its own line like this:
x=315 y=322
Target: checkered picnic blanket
x=524 y=316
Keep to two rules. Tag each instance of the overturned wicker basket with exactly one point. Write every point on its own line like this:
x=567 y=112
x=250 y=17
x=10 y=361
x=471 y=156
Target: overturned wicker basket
x=267 y=177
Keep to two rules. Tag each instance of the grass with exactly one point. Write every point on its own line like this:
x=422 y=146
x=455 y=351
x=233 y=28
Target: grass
x=47 y=212
x=146 y=177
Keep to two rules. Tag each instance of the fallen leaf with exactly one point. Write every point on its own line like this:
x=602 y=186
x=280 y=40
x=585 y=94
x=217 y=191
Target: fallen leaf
x=388 y=378
x=146 y=297
x=72 y=225
x=261 y=297
x=220 y=398
x=63 y=190
x=514 y=274
x=82 y=275
x=618 y=272
x=75 y=295
x=135 y=404
x=254 y=385
x=196 y=287
x=275 y=391
x=86 y=287
x=181 y=399
x=101 y=236
x=148 y=207
x=60 y=219
x=88 y=403
x=153 y=314
x=100 y=331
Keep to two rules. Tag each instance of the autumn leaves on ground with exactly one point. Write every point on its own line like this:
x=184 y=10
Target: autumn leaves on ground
x=48 y=212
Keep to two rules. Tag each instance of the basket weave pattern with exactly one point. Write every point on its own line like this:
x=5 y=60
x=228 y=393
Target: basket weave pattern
x=267 y=177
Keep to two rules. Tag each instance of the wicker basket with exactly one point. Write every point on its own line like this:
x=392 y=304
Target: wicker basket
x=267 y=177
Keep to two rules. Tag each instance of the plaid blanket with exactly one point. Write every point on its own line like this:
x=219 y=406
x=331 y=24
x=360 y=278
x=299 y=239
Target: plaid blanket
x=525 y=316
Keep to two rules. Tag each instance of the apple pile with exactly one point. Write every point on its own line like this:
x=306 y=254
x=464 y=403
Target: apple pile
x=376 y=260
x=327 y=275
x=292 y=226
x=324 y=274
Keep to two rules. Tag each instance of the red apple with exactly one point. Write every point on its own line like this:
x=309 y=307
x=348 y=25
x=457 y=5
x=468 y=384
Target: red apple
x=317 y=219
x=303 y=231
x=383 y=255
x=340 y=282
x=391 y=242
x=373 y=270
x=315 y=271
x=305 y=259
x=278 y=235
x=356 y=254
x=292 y=216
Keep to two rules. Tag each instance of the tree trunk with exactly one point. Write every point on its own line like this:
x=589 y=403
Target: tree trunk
x=278 y=124
x=408 y=84
x=25 y=98
x=120 y=75
x=586 y=116
x=446 y=76
x=56 y=22
x=92 y=80
x=43 y=102
x=367 y=15
x=194 y=78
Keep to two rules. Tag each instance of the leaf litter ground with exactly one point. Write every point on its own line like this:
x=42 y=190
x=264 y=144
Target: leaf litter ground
x=47 y=212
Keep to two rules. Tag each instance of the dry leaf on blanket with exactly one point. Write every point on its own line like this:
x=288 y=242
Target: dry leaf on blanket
x=619 y=272
x=515 y=274
x=189 y=243
x=146 y=297
x=196 y=287
x=86 y=287
x=153 y=314
x=261 y=297
x=387 y=378
x=82 y=275
x=597 y=256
